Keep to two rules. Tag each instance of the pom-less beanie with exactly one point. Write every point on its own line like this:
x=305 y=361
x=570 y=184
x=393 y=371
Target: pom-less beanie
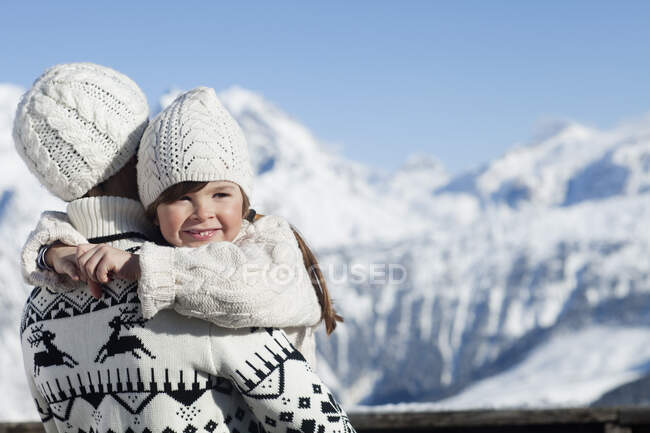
x=78 y=125
x=193 y=139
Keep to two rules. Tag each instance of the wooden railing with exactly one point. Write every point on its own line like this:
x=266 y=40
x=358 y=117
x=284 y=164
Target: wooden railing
x=21 y=427
x=610 y=420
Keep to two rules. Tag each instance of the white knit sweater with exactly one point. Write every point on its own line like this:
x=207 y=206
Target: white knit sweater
x=99 y=365
x=259 y=279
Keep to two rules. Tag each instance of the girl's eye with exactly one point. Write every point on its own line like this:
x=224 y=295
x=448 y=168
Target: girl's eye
x=220 y=194
x=185 y=198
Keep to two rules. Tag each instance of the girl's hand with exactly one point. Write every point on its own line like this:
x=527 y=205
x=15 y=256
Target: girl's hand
x=99 y=264
x=63 y=259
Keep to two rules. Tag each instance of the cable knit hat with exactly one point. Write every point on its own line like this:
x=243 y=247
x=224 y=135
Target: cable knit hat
x=193 y=139
x=78 y=125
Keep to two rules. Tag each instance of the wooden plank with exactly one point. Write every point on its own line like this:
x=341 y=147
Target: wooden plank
x=634 y=415
x=612 y=419
x=473 y=418
x=21 y=427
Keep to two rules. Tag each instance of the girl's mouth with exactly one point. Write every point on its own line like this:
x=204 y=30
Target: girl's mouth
x=202 y=235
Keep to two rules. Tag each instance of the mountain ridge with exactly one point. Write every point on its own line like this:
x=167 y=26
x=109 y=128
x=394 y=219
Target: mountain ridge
x=499 y=263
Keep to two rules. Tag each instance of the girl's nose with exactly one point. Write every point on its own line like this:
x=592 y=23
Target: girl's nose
x=204 y=211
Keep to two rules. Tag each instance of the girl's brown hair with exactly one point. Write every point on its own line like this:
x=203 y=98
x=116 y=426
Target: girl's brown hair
x=328 y=313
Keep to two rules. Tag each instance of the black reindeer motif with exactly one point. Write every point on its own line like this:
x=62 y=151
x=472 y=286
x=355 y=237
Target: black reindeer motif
x=51 y=355
x=129 y=343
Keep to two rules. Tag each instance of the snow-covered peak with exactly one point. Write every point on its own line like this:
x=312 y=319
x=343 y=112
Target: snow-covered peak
x=9 y=97
x=12 y=166
x=424 y=171
x=565 y=164
x=545 y=129
x=416 y=181
x=424 y=163
x=241 y=99
x=273 y=136
x=21 y=201
x=538 y=173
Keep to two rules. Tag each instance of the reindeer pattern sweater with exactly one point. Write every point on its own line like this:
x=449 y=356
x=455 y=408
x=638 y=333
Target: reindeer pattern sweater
x=101 y=366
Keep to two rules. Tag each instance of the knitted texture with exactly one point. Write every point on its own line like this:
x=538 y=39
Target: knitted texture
x=193 y=139
x=52 y=227
x=92 y=216
x=78 y=125
x=284 y=392
x=258 y=280
x=170 y=373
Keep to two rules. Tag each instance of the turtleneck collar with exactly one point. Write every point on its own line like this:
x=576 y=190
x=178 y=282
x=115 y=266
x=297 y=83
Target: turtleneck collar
x=103 y=216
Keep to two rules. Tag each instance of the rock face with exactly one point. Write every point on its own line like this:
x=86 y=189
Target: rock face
x=450 y=286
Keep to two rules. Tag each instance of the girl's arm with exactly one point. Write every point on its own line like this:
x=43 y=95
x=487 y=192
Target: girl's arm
x=258 y=280
x=275 y=380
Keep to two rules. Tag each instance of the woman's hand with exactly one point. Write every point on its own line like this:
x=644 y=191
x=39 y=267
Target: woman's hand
x=63 y=259
x=99 y=264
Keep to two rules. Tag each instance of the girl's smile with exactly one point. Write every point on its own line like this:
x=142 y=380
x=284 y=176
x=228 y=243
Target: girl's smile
x=211 y=214
x=201 y=235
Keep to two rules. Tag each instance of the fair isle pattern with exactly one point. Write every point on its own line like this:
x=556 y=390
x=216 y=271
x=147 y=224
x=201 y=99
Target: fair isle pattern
x=100 y=366
x=193 y=139
x=78 y=125
x=132 y=389
x=275 y=382
x=278 y=375
x=44 y=304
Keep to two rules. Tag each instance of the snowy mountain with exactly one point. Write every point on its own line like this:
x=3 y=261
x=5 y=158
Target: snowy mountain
x=559 y=244
x=548 y=239
x=300 y=179
x=528 y=277
x=573 y=164
x=21 y=201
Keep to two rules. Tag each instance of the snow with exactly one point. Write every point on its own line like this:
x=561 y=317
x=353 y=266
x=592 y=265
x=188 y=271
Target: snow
x=530 y=273
x=572 y=369
x=19 y=211
x=169 y=97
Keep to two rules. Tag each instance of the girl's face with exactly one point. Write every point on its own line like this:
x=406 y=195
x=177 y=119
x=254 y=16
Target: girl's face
x=211 y=214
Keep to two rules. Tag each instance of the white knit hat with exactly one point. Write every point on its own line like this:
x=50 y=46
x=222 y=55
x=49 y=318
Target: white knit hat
x=78 y=125
x=193 y=139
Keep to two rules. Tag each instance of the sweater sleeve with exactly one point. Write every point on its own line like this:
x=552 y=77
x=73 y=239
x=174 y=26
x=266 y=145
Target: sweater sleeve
x=52 y=227
x=276 y=382
x=258 y=280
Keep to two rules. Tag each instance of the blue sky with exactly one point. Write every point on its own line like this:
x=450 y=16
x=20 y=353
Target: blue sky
x=463 y=81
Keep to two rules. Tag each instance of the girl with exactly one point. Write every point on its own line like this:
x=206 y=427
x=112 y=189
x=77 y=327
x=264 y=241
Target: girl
x=261 y=251
x=194 y=179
